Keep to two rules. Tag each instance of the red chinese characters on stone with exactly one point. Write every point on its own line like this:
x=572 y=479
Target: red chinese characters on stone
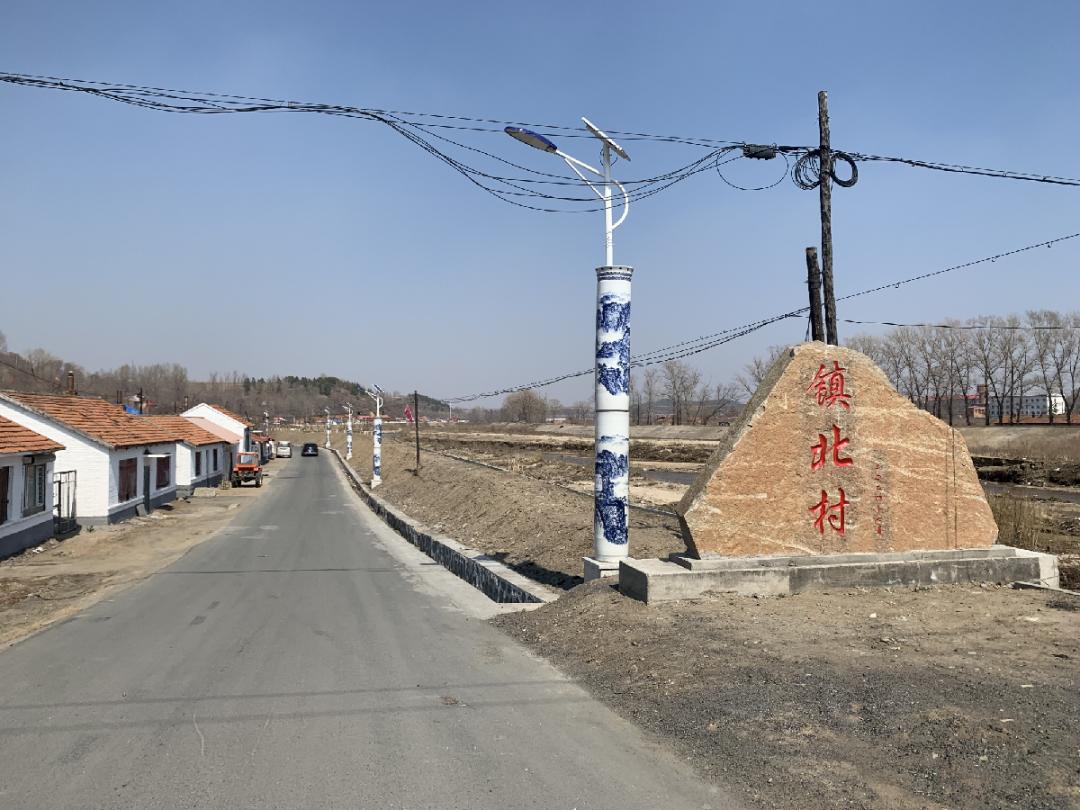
x=833 y=513
x=828 y=386
x=819 y=452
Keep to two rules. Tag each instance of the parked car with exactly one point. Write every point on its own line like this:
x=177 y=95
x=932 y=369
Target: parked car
x=248 y=467
x=310 y=449
x=284 y=450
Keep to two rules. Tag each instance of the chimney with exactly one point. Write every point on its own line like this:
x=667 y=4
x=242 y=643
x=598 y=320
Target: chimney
x=71 y=384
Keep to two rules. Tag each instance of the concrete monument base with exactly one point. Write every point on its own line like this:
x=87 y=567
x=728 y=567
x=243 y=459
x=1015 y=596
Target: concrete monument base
x=688 y=578
x=599 y=569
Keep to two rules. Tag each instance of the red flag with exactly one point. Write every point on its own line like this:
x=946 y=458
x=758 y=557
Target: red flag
x=408 y=414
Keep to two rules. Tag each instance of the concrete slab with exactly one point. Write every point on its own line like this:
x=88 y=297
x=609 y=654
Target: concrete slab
x=599 y=569
x=686 y=578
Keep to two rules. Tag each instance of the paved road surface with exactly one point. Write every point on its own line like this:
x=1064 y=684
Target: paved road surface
x=303 y=658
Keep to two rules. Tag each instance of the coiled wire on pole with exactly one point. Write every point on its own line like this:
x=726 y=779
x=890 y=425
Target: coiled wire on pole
x=807 y=170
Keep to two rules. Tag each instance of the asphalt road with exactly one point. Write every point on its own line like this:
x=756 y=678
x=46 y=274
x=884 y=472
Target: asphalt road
x=305 y=657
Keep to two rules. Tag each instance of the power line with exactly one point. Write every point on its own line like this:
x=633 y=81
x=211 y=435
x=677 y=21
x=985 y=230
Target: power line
x=417 y=127
x=1018 y=327
x=692 y=346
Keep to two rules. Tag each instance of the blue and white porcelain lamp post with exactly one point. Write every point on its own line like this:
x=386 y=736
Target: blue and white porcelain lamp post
x=376 y=438
x=348 y=434
x=327 y=410
x=611 y=530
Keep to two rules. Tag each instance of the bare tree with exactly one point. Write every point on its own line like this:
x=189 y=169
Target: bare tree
x=680 y=384
x=524 y=406
x=650 y=389
x=754 y=372
x=1067 y=362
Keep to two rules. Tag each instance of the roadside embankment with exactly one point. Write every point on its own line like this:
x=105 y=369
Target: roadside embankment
x=538 y=528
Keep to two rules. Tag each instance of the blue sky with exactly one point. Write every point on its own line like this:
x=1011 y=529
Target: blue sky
x=137 y=236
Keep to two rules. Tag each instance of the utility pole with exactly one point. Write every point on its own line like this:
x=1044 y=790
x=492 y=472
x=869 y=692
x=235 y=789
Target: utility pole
x=825 y=164
x=813 y=283
x=416 y=423
x=142 y=410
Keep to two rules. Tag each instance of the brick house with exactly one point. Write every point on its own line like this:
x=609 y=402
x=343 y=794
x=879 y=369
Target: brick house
x=201 y=456
x=232 y=422
x=123 y=462
x=26 y=487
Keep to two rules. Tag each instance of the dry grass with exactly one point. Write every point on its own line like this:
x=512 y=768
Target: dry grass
x=1020 y=522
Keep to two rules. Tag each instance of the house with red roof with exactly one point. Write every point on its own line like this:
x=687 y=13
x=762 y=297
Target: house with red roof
x=232 y=422
x=26 y=487
x=123 y=463
x=202 y=457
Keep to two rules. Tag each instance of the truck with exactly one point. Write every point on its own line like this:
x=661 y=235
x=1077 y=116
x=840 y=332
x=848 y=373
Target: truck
x=247 y=468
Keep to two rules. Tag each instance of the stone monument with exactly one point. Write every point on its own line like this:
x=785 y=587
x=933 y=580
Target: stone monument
x=829 y=458
x=831 y=478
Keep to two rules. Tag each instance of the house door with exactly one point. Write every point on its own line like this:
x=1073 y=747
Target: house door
x=64 y=503
x=146 y=487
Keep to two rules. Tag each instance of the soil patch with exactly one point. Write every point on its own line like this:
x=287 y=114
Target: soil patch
x=951 y=697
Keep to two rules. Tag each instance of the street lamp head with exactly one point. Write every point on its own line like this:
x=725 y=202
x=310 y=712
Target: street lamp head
x=530 y=138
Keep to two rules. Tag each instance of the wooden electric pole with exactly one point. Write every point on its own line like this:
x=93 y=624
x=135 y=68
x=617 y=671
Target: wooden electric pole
x=813 y=283
x=825 y=164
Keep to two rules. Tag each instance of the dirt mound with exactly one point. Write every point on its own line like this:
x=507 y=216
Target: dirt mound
x=955 y=698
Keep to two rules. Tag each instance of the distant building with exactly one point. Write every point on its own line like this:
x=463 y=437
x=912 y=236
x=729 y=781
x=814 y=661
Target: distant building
x=1027 y=408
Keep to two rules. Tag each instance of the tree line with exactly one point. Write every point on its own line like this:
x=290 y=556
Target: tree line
x=167 y=388
x=986 y=360
x=673 y=393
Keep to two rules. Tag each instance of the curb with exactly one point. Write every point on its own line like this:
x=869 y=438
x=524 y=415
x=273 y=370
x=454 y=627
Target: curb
x=495 y=580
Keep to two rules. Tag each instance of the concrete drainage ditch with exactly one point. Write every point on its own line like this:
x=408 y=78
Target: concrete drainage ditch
x=496 y=581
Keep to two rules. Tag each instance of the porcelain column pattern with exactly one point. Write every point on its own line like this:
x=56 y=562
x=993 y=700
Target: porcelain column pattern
x=348 y=439
x=328 y=432
x=612 y=485
x=376 y=451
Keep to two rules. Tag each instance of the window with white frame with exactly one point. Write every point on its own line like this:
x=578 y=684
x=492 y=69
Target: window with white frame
x=34 y=489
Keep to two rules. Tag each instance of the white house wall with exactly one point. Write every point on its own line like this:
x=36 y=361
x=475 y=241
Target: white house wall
x=17 y=523
x=212 y=414
x=157 y=495
x=185 y=464
x=90 y=460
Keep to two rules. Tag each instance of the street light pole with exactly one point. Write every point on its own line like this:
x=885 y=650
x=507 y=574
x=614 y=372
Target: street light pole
x=376 y=438
x=348 y=435
x=611 y=489
x=327 y=427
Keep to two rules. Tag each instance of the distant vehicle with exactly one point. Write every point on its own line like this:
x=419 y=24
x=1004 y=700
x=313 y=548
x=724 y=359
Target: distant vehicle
x=247 y=468
x=284 y=450
x=310 y=449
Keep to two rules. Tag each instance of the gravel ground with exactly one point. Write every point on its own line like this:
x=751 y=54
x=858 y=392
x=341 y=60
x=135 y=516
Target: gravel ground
x=949 y=697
